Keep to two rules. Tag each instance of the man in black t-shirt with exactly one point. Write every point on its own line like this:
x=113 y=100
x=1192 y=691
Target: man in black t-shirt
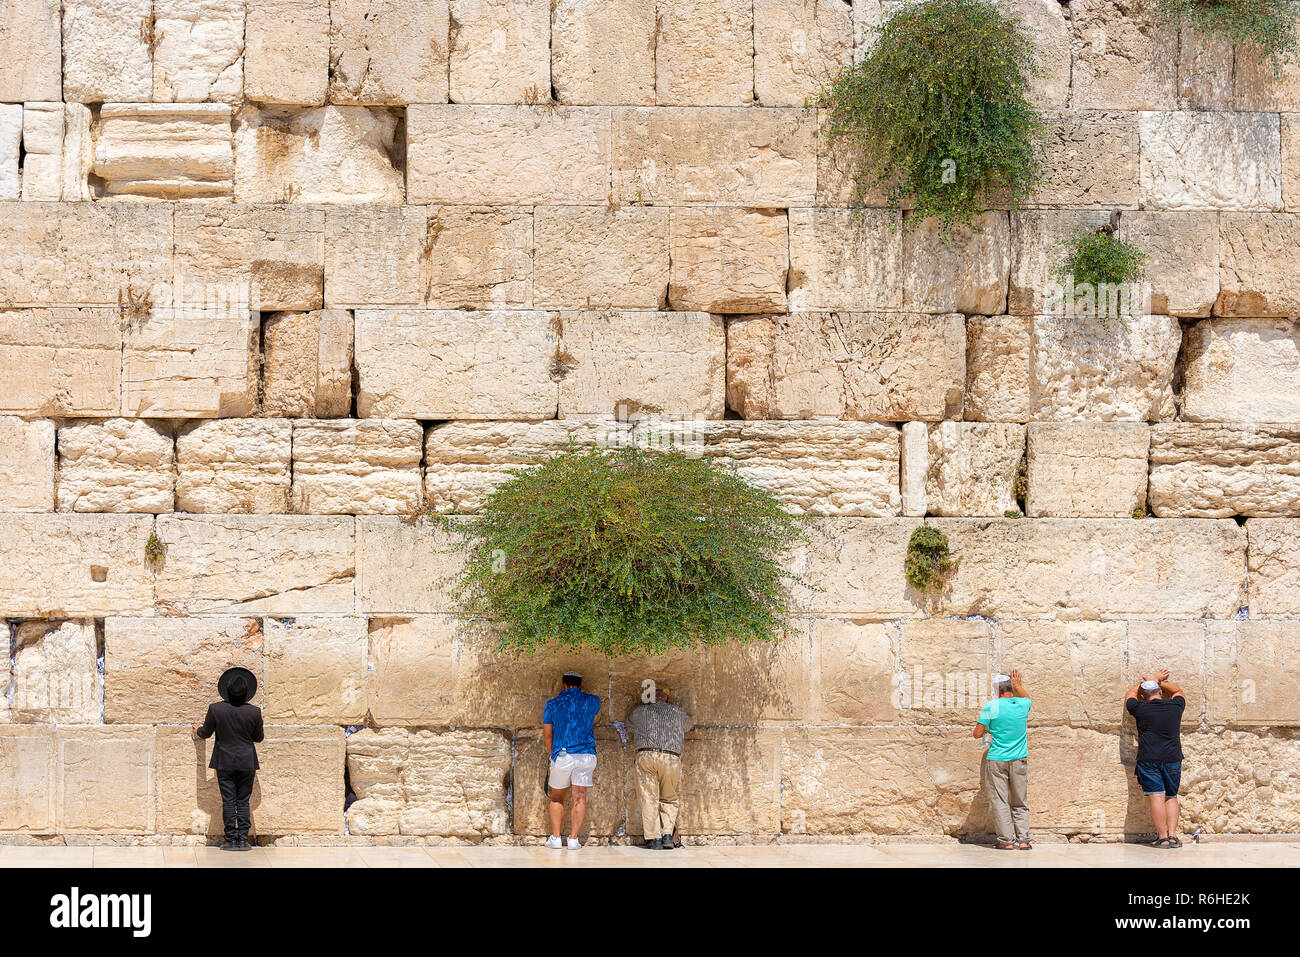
x=1157 y=706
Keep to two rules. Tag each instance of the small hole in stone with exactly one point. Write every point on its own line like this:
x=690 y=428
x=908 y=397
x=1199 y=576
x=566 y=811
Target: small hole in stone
x=98 y=573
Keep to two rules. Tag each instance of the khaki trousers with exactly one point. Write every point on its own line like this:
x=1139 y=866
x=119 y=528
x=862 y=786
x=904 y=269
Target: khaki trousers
x=1006 y=784
x=658 y=775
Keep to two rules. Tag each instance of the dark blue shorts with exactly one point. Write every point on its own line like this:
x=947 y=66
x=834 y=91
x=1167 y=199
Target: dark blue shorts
x=1160 y=777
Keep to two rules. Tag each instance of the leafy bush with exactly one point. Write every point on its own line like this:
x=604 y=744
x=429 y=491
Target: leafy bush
x=939 y=110
x=929 y=562
x=1102 y=261
x=155 y=550
x=627 y=550
x=1269 y=24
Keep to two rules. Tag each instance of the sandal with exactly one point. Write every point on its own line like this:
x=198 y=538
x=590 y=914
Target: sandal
x=1161 y=842
x=1025 y=846
x=1005 y=847
x=1174 y=842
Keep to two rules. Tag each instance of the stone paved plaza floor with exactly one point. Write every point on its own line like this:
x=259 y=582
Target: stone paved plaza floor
x=1219 y=854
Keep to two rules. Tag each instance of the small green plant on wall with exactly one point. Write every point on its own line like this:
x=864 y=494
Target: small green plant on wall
x=1270 y=25
x=938 y=111
x=929 y=561
x=627 y=551
x=1101 y=277
x=155 y=550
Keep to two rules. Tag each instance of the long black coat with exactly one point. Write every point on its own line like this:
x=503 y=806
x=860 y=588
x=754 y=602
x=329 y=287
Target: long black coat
x=237 y=728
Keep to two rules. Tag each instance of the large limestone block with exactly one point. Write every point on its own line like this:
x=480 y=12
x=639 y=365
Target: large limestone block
x=56 y=676
x=1225 y=794
x=511 y=155
x=1220 y=470
x=861 y=365
x=116 y=465
x=1079 y=785
x=728 y=260
x=315 y=670
x=945 y=666
x=800 y=46
x=11 y=138
x=972 y=467
x=500 y=51
x=74 y=566
x=598 y=257
x=1073 y=671
x=334 y=154
x=840 y=182
x=427 y=783
x=107 y=51
x=855 y=672
x=374 y=256
x=967 y=273
x=1124 y=58
x=603 y=52
x=252 y=564
x=749 y=684
x=307 y=364
x=1274 y=567
x=1183 y=254
x=90 y=254
x=1290 y=161
x=1179 y=646
x=287 y=51
x=1211 y=160
x=606 y=800
x=27 y=791
x=456 y=365
x=1205 y=68
x=165 y=151
x=43 y=151
x=196 y=363
x=165 y=670
x=1087 y=469
x=78 y=153
x=498 y=689
x=1258 y=256
x=1082 y=370
x=1099 y=568
x=1242 y=370
x=234 y=465
x=915 y=466
x=478 y=258
x=26 y=464
x=1039 y=244
x=761 y=157
x=1047 y=24
x=1089 y=159
x=1258 y=85
x=999 y=368
x=350 y=466
x=198 y=50
x=387 y=51
x=1253 y=673
x=704 y=53
x=663 y=363
x=274 y=255
x=404 y=566
x=104 y=779
x=855 y=568
x=30 y=52
x=413 y=669
x=849 y=259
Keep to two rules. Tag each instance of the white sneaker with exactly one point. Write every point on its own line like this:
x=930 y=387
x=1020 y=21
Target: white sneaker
x=554 y=841
x=573 y=844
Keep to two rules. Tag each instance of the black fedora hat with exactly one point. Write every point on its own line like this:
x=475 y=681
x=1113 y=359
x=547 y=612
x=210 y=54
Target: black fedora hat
x=249 y=679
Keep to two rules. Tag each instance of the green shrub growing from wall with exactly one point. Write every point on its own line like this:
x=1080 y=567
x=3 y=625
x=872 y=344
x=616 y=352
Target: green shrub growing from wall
x=627 y=550
x=929 y=561
x=1100 y=260
x=938 y=110
x=1269 y=24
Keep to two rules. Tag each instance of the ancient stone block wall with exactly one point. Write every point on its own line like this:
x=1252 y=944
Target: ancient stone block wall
x=278 y=275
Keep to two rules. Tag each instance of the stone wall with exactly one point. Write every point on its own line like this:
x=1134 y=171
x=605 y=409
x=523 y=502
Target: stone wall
x=280 y=275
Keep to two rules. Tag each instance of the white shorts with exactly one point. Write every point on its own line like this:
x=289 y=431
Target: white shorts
x=569 y=769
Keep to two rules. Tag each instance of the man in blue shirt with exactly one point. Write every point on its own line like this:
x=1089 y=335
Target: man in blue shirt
x=1006 y=765
x=569 y=733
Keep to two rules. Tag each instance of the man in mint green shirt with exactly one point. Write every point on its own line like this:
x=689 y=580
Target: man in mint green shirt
x=1006 y=765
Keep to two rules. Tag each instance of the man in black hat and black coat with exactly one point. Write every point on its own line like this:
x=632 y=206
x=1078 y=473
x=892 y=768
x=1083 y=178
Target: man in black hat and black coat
x=238 y=726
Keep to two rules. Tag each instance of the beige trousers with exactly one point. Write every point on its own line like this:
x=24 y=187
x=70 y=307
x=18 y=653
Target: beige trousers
x=658 y=775
x=1006 y=783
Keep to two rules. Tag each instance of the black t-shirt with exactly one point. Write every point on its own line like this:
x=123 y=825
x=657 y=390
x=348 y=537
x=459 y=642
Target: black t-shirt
x=1158 y=721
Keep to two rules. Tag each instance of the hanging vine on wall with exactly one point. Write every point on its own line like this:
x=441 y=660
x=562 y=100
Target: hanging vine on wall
x=938 y=111
x=929 y=562
x=1270 y=25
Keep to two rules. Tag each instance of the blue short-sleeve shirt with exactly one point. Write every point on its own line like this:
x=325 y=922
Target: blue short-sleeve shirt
x=1008 y=722
x=572 y=716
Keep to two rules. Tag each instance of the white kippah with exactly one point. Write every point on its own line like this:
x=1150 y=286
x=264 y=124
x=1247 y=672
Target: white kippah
x=1150 y=685
x=1000 y=679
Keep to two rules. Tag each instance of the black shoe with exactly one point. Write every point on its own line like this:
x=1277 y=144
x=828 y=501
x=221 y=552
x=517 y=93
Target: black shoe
x=228 y=845
x=655 y=845
x=243 y=845
x=666 y=842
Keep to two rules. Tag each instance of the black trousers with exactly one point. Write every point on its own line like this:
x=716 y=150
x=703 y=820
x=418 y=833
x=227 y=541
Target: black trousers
x=236 y=788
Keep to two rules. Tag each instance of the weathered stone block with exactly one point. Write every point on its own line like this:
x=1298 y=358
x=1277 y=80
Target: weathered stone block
x=704 y=54
x=1124 y=58
x=855 y=672
x=1226 y=794
x=856 y=568
x=27 y=791
x=404 y=566
x=915 y=466
x=595 y=257
x=1274 y=567
x=727 y=260
x=800 y=46
x=1177 y=645
x=1073 y=671
x=165 y=151
x=31 y=52
x=972 y=467
x=56 y=675
x=1080 y=786
x=26 y=465
x=315 y=670
x=849 y=259
x=74 y=566
x=165 y=670
x=999 y=368
x=1087 y=469
x=967 y=273
x=500 y=51
x=1242 y=370
x=1183 y=251
x=413 y=668
x=478 y=258
x=374 y=256
x=511 y=155
x=1252 y=674
x=1211 y=160
x=456 y=365
x=106 y=50
x=1290 y=161
x=1221 y=470
x=105 y=780
x=685 y=156
x=1046 y=23
x=606 y=799
x=1039 y=244
x=1259 y=84
x=446 y=784
x=78 y=153
x=275 y=565
x=1089 y=159
x=195 y=363
x=307 y=364
x=603 y=52
x=883 y=366
x=11 y=138
x=347 y=466
x=234 y=465
x=287 y=51
x=43 y=151
x=1205 y=68
x=1257 y=253
x=945 y=668
x=388 y=51
x=116 y=465
x=198 y=50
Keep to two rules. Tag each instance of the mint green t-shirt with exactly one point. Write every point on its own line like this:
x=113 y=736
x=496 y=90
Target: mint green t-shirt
x=1008 y=722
